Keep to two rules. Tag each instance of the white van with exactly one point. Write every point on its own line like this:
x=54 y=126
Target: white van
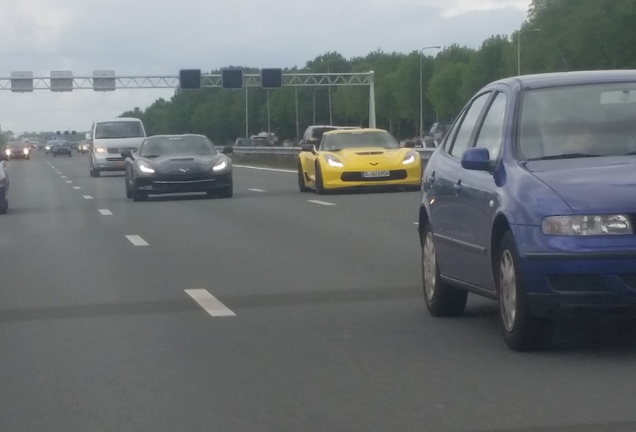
x=110 y=138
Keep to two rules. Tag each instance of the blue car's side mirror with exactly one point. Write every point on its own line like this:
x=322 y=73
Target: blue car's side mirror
x=476 y=159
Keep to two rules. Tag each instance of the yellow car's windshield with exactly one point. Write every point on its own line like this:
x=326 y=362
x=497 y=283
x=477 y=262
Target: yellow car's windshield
x=355 y=139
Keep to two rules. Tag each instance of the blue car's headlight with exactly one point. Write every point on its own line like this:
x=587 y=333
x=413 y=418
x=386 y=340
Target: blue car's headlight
x=588 y=225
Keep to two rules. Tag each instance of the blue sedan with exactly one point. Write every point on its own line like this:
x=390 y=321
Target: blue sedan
x=531 y=200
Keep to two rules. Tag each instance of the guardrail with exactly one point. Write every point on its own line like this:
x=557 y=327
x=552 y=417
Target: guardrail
x=425 y=153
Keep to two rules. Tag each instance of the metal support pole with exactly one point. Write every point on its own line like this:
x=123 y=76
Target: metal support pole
x=371 y=100
x=269 y=125
x=247 y=115
x=421 y=102
x=314 y=105
x=519 y=53
x=329 y=89
x=297 y=121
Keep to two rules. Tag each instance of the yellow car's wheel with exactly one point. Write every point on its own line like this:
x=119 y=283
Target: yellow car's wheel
x=301 y=179
x=320 y=187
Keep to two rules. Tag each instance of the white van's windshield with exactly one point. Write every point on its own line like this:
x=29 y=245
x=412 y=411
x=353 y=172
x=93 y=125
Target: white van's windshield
x=118 y=129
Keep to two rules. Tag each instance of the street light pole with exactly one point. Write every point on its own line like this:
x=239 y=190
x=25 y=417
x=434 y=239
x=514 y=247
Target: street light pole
x=519 y=48
x=422 y=91
x=329 y=88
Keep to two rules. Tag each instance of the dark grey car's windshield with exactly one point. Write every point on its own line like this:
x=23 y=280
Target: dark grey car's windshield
x=119 y=129
x=585 y=120
x=354 y=139
x=188 y=145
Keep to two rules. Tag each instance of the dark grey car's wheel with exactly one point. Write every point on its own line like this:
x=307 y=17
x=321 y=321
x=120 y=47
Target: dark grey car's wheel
x=521 y=330
x=138 y=195
x=441 y=299
x=4 y=205
x=95 y=173
x=228 y=192
x=301 y=179
x=129 y=193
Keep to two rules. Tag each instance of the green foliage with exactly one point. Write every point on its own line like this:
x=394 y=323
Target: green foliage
x=572 y=35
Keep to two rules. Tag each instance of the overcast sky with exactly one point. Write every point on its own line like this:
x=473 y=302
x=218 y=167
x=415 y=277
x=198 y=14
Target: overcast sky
x=147 y=37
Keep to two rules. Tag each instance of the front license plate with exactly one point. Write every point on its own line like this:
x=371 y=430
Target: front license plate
x=120 y=163
x=376 y=174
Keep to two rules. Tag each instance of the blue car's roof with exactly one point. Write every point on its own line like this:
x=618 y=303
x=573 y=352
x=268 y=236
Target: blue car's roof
x=558 y=79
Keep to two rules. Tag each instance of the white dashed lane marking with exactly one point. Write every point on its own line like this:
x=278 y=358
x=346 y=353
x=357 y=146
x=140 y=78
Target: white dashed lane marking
x=324 y=203
x=76 y=187
x=137 y=240
x=256 y=190
x=88 y=197
x=105 y=212
x=210 y=303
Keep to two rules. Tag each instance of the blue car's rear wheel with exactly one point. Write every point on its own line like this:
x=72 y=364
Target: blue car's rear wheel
x=521 y=330
x=442 y=300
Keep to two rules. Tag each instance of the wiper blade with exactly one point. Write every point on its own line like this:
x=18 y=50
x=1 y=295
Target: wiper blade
x=151 y=156
x=565 y=156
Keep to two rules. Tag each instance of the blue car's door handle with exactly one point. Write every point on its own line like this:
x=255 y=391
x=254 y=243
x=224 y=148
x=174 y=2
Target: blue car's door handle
x=458 y=186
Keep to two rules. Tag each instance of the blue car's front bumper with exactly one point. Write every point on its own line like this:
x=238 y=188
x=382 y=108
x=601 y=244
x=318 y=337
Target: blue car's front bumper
x=578 y=274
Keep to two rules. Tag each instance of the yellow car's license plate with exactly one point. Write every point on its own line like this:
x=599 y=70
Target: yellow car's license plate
x=376 y=174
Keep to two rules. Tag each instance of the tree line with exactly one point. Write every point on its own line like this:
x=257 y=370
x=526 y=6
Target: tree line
x=558 y=35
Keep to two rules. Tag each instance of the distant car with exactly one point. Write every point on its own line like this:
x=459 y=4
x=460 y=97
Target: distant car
x=4 y=184
x=48 y=147
x=531 y=201
x=62 y=147
x=167 y=164
x=313 y=134
x=110 y=138
x=358 y=158
x=18 y=150
x=436 y=134
x=83 y=147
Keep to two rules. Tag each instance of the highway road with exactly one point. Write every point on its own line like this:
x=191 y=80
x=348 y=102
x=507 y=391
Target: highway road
x=264 y=312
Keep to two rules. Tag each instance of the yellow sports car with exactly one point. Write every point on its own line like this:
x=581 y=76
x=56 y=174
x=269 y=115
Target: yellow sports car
x=356 y=158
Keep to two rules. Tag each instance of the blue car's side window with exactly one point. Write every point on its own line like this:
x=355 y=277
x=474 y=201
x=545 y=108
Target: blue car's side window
x=491 y=133
x=462 y=139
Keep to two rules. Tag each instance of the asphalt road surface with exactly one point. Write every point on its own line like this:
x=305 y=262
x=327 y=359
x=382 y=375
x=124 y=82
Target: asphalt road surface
x=264 y=312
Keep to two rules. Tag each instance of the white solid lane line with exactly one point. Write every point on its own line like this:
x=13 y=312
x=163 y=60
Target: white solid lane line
x=265 y=169
x=137 y=240
x=76 y=187
x=105 y=212
x=88 y=197
x=256 y=190
x=324 y=203
x=208 y=302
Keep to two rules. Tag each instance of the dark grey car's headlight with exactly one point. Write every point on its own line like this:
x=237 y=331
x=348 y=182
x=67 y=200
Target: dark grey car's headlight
x=587 y=225
x=220 y=165
x=145 y=168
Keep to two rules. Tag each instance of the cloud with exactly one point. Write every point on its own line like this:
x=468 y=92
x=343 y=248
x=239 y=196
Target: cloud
x=139 y=37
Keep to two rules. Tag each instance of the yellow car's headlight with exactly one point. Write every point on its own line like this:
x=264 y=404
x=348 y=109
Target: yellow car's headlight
x=333 y=161
x=409 y=158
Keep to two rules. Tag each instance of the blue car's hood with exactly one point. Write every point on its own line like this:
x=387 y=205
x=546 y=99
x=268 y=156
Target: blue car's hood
x=591 y=185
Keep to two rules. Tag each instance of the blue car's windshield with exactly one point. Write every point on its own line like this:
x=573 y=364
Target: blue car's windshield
x=578 y=121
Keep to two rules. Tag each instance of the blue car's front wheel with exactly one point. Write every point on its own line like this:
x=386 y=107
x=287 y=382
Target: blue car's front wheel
x=521 y=330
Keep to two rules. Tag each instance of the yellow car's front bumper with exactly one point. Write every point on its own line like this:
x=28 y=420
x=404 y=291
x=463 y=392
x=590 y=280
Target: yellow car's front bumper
x=399 y=176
